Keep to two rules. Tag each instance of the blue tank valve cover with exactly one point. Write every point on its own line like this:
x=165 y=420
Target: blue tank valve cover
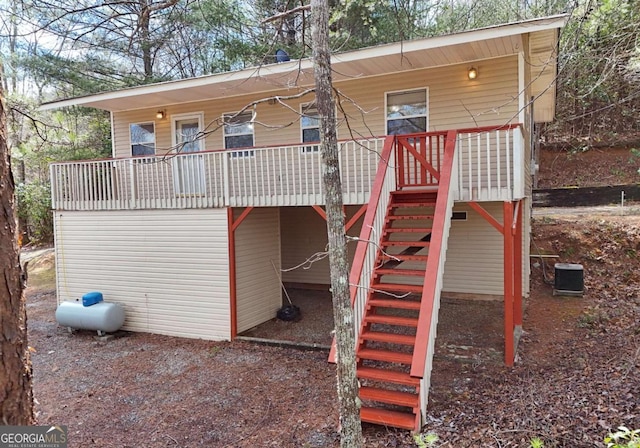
x=91 y=298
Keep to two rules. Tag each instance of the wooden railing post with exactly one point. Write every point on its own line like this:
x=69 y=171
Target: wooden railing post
x=518 y=163
x=508 y=283
x=132 y=184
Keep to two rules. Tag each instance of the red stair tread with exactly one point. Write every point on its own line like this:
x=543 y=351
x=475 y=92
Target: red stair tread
x=395 y=303
x=391 y=338
x=407 y=230
x=408 y=257
x=406 y=243
x=413 y=204
x=409 y=194
x=387 y=396
x=404 y=420
x=398 y=271
x=391 y=376
x=384 y=355
x=395 y=287
x=391 y=320
x=408 y=217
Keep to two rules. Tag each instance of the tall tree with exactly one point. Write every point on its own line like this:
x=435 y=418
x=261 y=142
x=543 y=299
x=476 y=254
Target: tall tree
x=16 y=399
x=351 y=429
x=599 y=82
x=132 y=32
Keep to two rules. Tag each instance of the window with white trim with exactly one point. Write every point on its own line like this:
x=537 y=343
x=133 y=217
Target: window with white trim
x=238 y=133
x=310 y=127
x=143 y=139
x=407 y=112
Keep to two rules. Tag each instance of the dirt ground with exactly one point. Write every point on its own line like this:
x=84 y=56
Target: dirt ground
x=575 y=379
x=589 y=168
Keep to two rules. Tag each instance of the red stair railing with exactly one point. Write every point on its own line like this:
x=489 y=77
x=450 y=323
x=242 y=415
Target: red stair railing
x=430 y=291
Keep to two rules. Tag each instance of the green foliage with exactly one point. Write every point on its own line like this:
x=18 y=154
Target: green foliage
x=623 y=438
x=34 y=207
x=425 y=440
x=536 y=442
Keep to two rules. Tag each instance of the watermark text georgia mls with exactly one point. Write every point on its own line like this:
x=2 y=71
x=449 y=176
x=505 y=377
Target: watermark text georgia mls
x=33 y=437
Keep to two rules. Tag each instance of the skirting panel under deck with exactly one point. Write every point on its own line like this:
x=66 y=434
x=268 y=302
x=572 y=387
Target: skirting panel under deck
x=168 y=268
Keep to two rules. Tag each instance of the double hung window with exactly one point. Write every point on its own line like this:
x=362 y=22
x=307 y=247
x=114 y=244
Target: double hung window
x=238 y=133
x=407 y=112
x=310 y=127
x=142 y=137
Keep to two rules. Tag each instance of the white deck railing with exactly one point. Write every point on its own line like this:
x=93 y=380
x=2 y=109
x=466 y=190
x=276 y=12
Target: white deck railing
x=369 y=243
x=287 y=175
x=490 y=164
x=490 y=168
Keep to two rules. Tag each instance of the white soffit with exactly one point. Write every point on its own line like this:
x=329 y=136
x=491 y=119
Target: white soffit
x=457 y=48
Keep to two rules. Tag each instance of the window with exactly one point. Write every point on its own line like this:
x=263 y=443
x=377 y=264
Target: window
x=187 y=135
x=143 y=139
x=310 y=127
x=238 y=133
x=407 y=112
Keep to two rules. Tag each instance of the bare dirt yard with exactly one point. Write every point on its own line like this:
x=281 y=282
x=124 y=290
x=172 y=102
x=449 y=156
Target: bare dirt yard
x=575 y=379
x=595 y=167
x=576 y=376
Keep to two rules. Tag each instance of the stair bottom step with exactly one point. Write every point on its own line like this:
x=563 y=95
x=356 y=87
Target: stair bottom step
x=397 y=419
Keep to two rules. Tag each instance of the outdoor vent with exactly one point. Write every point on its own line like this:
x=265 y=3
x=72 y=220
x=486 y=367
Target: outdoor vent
x=569 y=279
x=459 y=216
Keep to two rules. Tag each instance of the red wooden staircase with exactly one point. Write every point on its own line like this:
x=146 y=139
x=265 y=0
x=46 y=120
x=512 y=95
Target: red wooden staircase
x=389 y=394
x=396 y=283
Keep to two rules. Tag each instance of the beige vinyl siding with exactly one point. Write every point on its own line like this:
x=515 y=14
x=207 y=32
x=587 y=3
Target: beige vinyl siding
x=258 y=288
x=476 y=252
x=168 y=268
x=304 y=233
x=454 y=102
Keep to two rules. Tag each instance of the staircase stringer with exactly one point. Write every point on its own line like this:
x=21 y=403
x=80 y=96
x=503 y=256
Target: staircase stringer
x=422 y=361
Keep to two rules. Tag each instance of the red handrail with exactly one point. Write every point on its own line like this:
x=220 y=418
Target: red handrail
x=430 y=280
x=367 y=226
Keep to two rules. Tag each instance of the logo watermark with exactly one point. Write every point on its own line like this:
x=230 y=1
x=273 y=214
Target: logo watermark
x=33 y=437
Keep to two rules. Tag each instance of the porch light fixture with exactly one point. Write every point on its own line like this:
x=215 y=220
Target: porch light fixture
x=472 y=73
x=161 y=114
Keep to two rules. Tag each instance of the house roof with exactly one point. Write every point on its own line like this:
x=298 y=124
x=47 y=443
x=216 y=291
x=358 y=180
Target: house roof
x=463 y=47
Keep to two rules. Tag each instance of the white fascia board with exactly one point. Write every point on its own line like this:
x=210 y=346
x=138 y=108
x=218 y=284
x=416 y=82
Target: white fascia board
x=494 y=32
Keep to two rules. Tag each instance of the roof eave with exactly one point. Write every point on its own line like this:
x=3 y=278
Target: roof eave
x=105 y=100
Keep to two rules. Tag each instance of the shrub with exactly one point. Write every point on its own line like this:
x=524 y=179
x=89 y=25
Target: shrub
x=34 y=207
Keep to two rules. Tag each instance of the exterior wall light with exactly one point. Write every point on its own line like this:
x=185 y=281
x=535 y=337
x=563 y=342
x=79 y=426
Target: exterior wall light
x=472 y=73
x=161 y=114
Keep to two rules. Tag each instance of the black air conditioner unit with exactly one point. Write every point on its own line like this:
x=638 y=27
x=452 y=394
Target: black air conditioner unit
x=569 y=279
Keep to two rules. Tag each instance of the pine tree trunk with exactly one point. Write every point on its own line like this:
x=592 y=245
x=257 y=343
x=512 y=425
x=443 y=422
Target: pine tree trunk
x=16 y=400
x=351 y=429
